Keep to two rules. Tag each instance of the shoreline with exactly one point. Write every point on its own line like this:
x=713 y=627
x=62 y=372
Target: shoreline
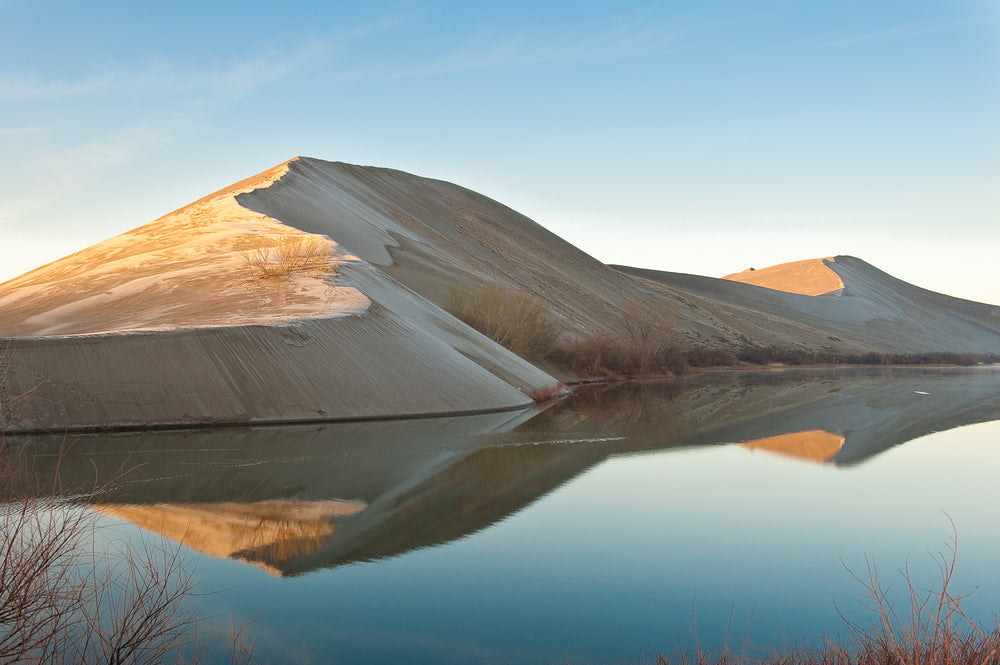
x=711 y=372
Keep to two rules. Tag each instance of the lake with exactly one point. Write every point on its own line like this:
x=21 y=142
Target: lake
x=599 y=528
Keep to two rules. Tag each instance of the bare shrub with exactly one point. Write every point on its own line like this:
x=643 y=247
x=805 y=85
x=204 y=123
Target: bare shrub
x=705 y=357
x=517 y=321
x=281 y=255
x=930 y=628
x=64 y=599
x=648 y=348
x=551 y=392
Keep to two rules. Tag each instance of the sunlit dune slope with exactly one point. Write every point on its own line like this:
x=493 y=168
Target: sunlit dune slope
x=191 y=268
x=811 y=277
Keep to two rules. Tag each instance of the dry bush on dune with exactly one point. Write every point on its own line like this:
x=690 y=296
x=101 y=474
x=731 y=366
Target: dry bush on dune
x=647 y=348
x=517 y=321
x=281 y=255
x=524 y=324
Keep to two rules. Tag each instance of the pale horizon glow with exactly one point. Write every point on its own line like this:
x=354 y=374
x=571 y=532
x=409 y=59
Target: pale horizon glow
x=701 y=137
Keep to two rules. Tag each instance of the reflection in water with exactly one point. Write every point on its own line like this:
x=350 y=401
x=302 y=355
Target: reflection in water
x=263 y=533
x=270 y=495
x=812 y=446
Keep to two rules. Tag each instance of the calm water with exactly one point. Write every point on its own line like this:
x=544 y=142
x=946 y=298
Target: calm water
x=596 y=529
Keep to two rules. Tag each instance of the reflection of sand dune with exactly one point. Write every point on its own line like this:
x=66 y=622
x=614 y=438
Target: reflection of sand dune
x=430 y=481
x=262 y=532
x=814 y=445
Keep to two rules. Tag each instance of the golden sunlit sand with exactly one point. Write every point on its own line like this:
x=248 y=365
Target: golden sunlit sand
x=191 y=268
x=811 y=277
x=813 y=445
x=262 y=532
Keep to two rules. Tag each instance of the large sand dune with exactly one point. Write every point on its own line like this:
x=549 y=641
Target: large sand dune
x=170 y=325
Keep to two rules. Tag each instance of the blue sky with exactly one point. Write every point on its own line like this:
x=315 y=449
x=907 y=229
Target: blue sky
x=701 y=137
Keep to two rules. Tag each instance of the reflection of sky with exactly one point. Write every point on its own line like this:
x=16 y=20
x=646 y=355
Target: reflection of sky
x=615 y=560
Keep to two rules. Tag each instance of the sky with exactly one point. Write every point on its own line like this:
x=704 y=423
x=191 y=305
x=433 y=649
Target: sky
x=702 y=137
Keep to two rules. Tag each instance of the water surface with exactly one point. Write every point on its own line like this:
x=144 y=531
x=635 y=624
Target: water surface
x=599 y=528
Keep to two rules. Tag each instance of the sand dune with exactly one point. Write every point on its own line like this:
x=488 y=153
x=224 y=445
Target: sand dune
x=168 y=325
x=434 y=237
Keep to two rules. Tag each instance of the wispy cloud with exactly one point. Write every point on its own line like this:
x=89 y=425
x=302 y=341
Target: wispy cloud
x=176 y=101
x=230 y=79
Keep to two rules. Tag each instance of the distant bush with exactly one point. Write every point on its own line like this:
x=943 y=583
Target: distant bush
x=517 y=321
x=780 y=355
x=717 y=357
x=281 y=255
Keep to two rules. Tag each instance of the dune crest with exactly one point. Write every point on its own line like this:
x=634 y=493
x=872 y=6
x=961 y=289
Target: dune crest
x=811 y=277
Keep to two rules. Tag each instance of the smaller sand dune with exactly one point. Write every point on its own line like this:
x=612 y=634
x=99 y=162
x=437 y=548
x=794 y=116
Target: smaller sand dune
x=811 y=277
